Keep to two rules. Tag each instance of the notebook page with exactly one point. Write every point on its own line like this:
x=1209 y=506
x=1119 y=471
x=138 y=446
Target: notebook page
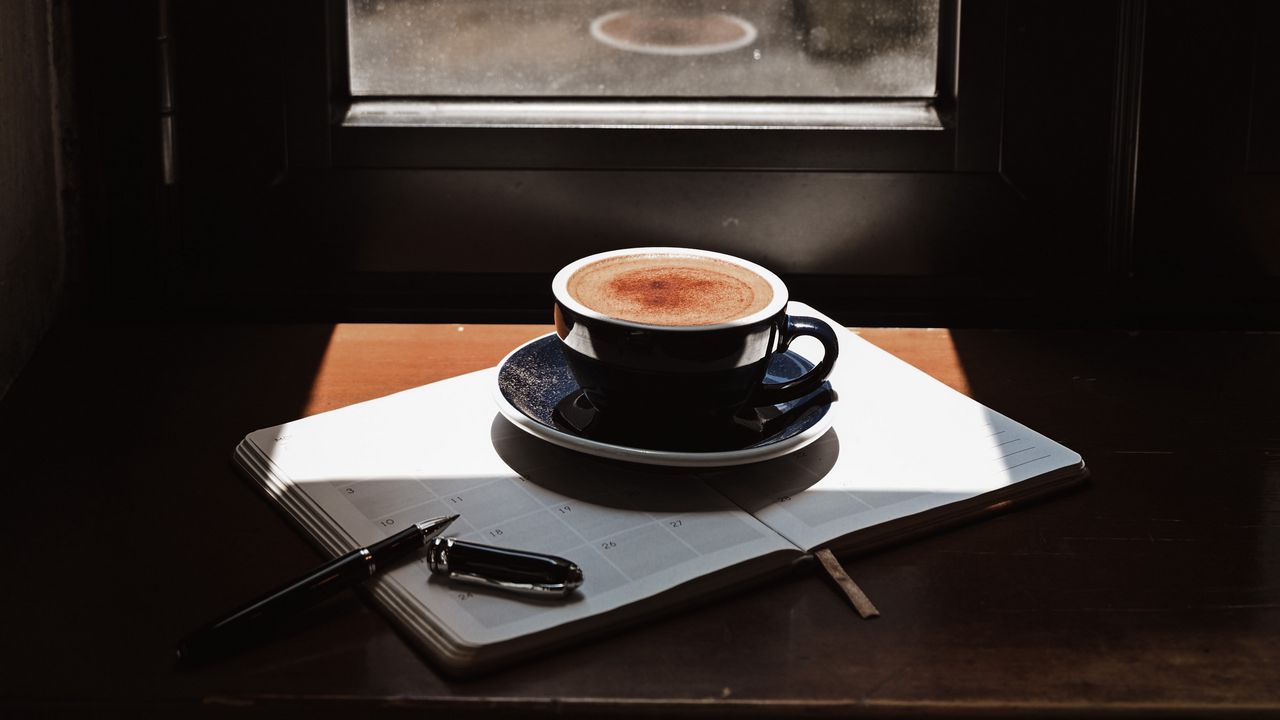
x=372 y=469
x=901 y=443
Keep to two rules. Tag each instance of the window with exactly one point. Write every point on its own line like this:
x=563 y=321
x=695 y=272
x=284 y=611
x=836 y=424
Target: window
x=765 y=80
x=828 y=49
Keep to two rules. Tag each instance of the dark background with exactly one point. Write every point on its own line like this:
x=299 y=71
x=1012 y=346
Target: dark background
x=1106 y=164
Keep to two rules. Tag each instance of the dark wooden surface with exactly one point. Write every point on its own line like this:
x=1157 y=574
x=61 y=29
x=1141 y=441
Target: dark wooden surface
x=1153 y=590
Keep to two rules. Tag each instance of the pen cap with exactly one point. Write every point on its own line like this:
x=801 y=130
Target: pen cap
x=517 y=570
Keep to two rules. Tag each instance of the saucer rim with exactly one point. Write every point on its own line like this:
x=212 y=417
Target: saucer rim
x=647 y=456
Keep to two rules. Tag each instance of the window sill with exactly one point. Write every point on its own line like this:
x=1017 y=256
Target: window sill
x=660 y=114
x=866 y=136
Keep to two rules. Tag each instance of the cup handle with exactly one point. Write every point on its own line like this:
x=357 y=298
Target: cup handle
x=797 y=326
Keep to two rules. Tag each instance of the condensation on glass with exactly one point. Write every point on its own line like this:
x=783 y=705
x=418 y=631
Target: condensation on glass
x=826 y=49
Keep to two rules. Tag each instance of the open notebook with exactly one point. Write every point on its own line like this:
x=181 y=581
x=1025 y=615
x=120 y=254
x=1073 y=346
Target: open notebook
x=905 y=454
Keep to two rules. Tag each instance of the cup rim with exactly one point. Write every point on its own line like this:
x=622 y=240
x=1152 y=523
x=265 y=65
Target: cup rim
x=560 y=288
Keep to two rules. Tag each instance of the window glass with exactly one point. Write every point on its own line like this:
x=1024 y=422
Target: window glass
x=825 y=49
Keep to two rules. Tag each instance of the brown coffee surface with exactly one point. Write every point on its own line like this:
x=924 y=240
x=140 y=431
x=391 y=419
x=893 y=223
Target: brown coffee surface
x=677 y=290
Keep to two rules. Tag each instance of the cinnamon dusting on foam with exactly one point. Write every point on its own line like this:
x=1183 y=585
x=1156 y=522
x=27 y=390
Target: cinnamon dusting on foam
x=678 y=290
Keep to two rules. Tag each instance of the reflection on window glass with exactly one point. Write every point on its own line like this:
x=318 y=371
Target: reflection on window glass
x=644 y=48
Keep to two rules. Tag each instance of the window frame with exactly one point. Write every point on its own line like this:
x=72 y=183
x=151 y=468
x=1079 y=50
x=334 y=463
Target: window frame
x=964 y=135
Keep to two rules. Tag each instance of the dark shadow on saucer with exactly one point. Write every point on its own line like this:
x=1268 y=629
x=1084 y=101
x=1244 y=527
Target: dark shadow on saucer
x=751 y=428
x=537 y=382
x=656 y=488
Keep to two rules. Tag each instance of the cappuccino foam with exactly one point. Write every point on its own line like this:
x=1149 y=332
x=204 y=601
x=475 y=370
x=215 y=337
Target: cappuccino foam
x=677 y=290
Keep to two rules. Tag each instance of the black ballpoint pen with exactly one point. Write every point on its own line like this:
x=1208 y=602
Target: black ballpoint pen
x=263 y=614
x=512 y=570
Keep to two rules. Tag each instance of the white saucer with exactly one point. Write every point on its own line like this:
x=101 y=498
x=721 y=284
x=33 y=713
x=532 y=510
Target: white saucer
x=533 y=378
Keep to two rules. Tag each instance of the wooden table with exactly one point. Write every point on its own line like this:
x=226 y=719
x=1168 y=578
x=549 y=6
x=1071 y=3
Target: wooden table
x=1153 y=590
